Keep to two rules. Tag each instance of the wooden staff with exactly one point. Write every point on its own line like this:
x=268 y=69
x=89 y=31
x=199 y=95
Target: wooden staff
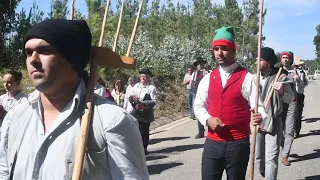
x=72 y=10
x=104 y=24
x=118 y=29
x=254 y=133
x=272 y=89
x=134 y=29
x=86 y=117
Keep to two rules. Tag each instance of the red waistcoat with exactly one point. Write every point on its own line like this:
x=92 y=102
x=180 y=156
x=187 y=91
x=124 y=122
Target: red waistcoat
x=229 y=105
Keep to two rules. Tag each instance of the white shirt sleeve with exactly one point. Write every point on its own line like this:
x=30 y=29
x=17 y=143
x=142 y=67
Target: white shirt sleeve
x=4 y=166
x=125 y=149
x=249 y=93
x=200 y=105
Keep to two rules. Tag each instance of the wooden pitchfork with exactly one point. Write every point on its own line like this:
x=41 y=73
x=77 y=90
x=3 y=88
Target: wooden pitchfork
x=103 y=57
x=254 y=133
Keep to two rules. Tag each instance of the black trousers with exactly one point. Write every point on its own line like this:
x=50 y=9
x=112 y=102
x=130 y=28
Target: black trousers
x=200 y=128
x=231 y=156
x=144 y=131
x=300 y=103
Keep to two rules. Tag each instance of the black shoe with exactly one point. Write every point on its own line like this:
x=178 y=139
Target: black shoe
x=198 y=136
x=297 y=136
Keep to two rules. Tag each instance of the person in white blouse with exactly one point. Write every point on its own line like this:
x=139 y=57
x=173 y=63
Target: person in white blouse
x=224 y=102
x=13 y=96
x=143 y=100
x=129 y=92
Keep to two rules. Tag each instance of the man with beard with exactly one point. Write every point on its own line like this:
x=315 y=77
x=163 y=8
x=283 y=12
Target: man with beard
x=224 y=102
x=39 y=138
x=269 y=135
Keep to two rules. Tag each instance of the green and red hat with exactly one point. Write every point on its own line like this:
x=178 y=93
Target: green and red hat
x=288 y=53
x=224 y=37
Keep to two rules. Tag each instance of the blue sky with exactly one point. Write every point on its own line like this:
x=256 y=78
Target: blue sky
x=289 y=24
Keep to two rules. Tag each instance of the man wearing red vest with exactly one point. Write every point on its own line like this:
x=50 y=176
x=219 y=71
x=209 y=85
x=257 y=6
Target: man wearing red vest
x=224 y=102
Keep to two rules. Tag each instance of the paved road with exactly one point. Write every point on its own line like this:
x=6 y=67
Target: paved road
x=175 y=155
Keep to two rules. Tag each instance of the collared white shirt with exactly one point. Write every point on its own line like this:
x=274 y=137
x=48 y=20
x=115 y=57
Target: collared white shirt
x=140 y=91
x=9 y=102
x=44 y=155
x=248 y=91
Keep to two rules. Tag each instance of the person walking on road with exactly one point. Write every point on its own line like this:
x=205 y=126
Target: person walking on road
x=195 y=80
x=190 y=93
x=289 y=109
x=224 y=102
x=270 y=133
x=39 y=138
x=143 y=101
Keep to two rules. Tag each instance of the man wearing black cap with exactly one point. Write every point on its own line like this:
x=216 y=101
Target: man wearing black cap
x=39 y=138
x=269 y=134
x=195 y=80
x=143 y=100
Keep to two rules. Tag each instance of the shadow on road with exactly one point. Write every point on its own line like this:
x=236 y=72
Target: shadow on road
x=306 y=157
x=151 y=158
x=179 y=148
x=311 y=120
x=156 y=132
x=311 y=133
x=316 y=177
x=157 y=140
x=158 y=168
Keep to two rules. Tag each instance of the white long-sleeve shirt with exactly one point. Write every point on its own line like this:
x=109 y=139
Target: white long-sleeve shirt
x=9 y=102
x=127 y=105
x=248 y=91
x=114 y=150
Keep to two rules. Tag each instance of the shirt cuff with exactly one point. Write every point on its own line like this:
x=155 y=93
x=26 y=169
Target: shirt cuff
x=204 y=119
x=262 y=112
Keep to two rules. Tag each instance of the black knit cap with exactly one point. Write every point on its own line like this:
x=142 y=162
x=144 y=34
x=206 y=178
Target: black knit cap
x=71 y=38
x=269 y=55
x=199 y=60
x=146 y=71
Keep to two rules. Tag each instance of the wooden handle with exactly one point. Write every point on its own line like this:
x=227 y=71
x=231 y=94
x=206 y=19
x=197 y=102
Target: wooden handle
x=118 y=28
x=134 y=29
x=72 y=10
x=254 y=133
x=86 y=117
x=272 y=89
x=104 y=24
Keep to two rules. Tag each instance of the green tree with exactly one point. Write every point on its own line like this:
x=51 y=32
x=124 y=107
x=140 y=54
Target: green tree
x=316 y=42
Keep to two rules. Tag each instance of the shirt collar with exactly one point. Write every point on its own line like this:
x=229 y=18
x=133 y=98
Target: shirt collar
x=17 y=96
x=228 y=69
x=34 y=97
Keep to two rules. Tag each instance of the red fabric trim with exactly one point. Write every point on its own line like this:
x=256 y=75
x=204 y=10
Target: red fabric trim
x=223 y=42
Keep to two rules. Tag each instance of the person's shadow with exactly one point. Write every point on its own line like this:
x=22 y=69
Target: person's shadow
x=316 y=177
x=311 y=120
x=311 y=133
x=306 y=157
